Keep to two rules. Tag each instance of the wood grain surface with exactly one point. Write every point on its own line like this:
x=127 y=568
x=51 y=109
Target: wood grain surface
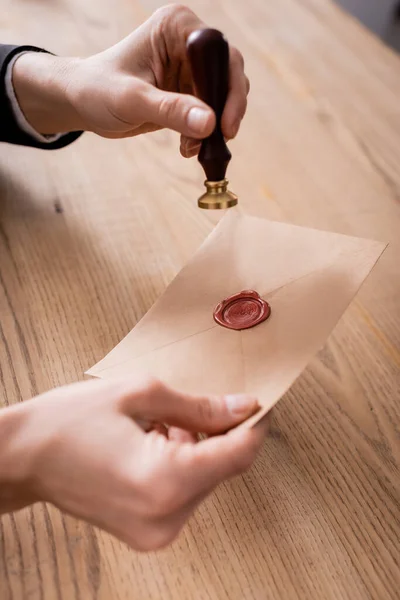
x=91 y=235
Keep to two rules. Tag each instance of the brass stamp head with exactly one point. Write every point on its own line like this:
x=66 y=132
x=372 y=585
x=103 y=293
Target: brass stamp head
x=217 y=196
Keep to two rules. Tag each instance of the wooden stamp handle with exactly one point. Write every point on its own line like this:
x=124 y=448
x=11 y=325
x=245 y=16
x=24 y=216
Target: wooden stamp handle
x=208 y=53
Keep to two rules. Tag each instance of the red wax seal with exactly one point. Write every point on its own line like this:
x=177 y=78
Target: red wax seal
x=242 y=311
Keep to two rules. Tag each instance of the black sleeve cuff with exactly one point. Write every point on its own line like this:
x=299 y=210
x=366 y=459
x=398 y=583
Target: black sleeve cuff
x=9 y=129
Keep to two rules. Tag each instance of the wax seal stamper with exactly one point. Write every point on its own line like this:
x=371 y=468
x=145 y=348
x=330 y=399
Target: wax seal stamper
x=208 y=56
x=242 y=311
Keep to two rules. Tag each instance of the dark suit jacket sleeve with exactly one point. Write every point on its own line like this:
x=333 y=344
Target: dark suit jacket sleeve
x=9 y=130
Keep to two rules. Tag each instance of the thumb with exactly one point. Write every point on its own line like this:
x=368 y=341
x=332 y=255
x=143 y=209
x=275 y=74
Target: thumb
x=181 y=112
x=221 y=457
x=206 y=414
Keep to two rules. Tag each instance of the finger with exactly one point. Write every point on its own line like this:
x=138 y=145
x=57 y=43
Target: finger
x=154 y=401
x=263 y=426
x=185 y=83
x=211 y=461
x=236 y=103
x=147 y=426
x=161 y=429
x=176 y=434
x=189 y=147
x=191 y=152
x=187 y=142
x=144 y=128
x=183 y=113
x=144 y=424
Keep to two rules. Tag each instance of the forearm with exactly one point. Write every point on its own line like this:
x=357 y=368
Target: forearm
x=40 y=83
x=15 y=461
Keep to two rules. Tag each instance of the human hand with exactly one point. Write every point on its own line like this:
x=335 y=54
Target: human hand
x=84 y=448
x=141 y=84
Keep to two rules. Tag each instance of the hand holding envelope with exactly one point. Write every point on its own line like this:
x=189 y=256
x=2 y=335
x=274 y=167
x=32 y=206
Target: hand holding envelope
x=307 y=276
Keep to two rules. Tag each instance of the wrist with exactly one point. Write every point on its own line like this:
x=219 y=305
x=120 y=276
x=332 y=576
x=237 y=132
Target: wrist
x=16 y=460
x=41 y=82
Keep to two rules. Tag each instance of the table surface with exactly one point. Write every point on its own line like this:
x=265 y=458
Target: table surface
x=91 y=235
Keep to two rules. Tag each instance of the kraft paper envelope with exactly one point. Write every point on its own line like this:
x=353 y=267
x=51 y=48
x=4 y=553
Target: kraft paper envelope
x=308 y=277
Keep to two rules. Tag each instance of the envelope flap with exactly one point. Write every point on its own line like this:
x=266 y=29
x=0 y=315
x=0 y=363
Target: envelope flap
x=211 y=362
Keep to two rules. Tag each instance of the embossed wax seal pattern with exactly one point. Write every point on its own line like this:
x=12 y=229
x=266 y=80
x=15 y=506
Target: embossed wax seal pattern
x=242 y=311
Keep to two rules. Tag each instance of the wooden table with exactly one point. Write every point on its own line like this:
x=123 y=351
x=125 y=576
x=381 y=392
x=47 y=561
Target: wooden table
x=91 y=235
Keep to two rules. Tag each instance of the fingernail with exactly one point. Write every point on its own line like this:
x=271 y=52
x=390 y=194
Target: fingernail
x=240 y=404
x=198 y=119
